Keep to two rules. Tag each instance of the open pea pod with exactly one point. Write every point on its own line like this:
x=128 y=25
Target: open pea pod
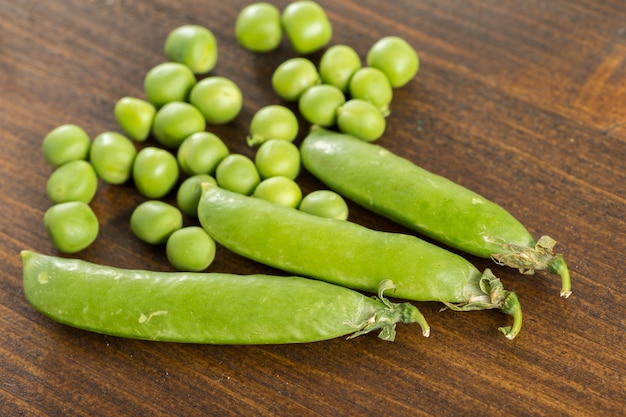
x=396 y=188
x=214 y=308
x=350 y=255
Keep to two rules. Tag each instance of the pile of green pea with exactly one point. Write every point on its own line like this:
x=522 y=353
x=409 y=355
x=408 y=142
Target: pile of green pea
x=182 y=99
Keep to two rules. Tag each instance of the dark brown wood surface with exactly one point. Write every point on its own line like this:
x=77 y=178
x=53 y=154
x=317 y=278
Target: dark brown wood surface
x=521 y=101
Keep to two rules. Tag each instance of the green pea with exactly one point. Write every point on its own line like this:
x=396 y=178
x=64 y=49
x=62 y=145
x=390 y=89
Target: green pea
x=135 y=117
x=190 y=249
x=396 y=188
x=237 y=173
x=307 y=26
x=176 y=121
x=258 y=27
x=71 y=226
x=112 y=156
x=200 y=153
x=293 y=77
x=167 y=82
x=194 y=46
x=273 y=122
x=337 y=65
x=219 y=99
x=318 y=105
x=65 y=143
x=189 y=192
x=155 y=172
x=361 y=119
x=278 y=158
x=154 y=221
x=325 y=203
x=348 y=254
x=197 y=307
x=72 y=181
x=396 y=58
x=371 y=84
x=279 y=190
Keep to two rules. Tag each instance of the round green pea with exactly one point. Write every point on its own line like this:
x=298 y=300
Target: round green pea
x=154 y=221
x=337 y=65
x=361 y=119
x=65 y=143
x=135 y=117
x=371 y=84
x=279 y=190
x=200 y=153
x=307 y=26
x=273 y=122
x=219 y=99
x=278 y=158
x=293 y=77
x=176 y=121
x=325 y=203
x=189 y=193
x=112 y=156
x=155 y=172
x=194 y=46
x=318 y=105
x=72 y=181
x=396 y=58
x=167 y=82
x=72 y=226
x=190 y=249
x=258 y=27
x=237 y=173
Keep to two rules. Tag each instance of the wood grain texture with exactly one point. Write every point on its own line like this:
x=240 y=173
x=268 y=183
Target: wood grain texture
x=521 y=101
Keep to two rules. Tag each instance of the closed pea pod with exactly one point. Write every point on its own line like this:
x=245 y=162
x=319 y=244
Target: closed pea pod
x=350 y=255
x=398 y=189
x=211 y=308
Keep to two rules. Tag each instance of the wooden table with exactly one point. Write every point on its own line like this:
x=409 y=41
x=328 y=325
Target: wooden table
x=521 y=101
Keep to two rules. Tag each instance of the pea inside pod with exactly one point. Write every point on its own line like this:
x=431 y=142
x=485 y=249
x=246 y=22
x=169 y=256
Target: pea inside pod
x=396 y=188
x=211 y=308
x=350 y=255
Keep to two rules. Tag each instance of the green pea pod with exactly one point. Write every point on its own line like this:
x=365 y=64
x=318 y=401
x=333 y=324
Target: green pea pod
x=211 y=308
x=350 y=255
x=396 y=188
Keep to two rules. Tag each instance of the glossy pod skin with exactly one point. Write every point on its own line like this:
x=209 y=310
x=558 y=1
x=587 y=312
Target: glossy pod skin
x=350 y=255
x=396 y=188
x=213 y=308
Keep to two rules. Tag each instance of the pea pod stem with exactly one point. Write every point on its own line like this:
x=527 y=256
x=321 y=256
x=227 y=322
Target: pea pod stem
x=348 y=254
x=541 y=257
x=213 y=308
x=495 y=296
x=432 y=205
